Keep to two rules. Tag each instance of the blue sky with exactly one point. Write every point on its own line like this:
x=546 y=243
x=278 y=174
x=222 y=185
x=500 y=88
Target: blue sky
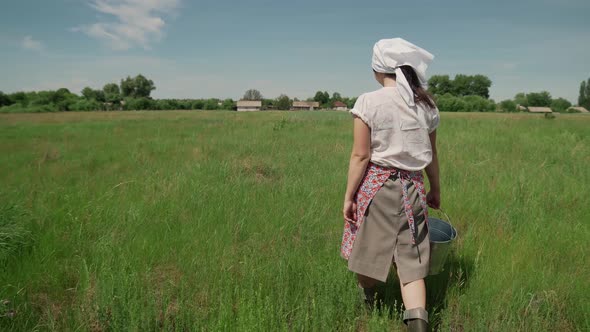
x=194 y=49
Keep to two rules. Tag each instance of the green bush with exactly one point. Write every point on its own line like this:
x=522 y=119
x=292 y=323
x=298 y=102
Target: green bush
x=472 y=103
x=212 y=104
x=14 y=108
x=140 y=104
x=198 y=105
x=507 y=105
x=560 y=105
x=164 y=104
x=18 y=108
x=87 y=105
x=479 y=104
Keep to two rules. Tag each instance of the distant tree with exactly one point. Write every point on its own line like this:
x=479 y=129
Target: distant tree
x=440 y=85
x=283 y=102
x=63 y=99
x=19 y=98
x=252 y=94
x=520 y=99
x=336 y=97
x=560 y=105
x=127 y=87
x=584 y=98
x=539 y=99
x=88 y=93
x=4 y=99
x=480 y=86
x=112 y=93
x=143 y=86
x=91 y=94
x=508 y=105
x=351 y=101
x=461 y=85
x=322 y=97
x=137 y=87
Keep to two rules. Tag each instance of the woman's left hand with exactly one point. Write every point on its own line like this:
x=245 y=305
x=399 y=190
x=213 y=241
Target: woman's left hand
x=349 y=211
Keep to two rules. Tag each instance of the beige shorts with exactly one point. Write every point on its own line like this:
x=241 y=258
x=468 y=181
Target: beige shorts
x=385 y=237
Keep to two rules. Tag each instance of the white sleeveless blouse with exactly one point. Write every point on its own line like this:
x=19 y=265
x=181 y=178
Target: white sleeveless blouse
x=399 y=133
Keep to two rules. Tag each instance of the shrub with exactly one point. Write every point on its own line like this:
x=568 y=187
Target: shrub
x=472 y=103
x=560 y=105
x=507 y=105
x=212 y=104
x=86 y=105
x=18 y=108
x=139 y=104
x=198 y=105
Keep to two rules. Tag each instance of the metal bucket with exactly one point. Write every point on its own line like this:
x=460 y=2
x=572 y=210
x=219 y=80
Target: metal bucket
x=442 y=234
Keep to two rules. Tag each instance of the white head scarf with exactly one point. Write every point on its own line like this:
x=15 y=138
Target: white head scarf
x=390 y=54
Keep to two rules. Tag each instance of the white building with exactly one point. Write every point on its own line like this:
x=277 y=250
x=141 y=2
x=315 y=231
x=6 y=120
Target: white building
x=249 y=105
x=305 y=105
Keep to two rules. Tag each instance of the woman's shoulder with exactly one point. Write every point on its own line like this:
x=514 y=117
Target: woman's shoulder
x=369 y=98
x=373 y=94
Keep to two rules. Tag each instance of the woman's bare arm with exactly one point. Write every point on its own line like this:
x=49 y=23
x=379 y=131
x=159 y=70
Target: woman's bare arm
x=359 y=158
x=432 y=171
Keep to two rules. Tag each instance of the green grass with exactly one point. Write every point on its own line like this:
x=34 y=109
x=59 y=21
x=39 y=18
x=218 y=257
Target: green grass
x=221 y=221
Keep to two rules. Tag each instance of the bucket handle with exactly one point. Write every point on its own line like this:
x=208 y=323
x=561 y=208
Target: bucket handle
x=446 y=216
x=448 y=219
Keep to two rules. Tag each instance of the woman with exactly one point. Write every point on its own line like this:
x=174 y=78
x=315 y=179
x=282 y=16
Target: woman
x=385 y=205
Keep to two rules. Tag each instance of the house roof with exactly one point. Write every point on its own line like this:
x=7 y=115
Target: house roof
x=249 y=103
x=306 y=104
x=580 y=108
x=339 y=104
x=540 y=110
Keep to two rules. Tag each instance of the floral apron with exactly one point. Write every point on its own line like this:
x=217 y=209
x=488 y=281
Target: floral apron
x=374 y=177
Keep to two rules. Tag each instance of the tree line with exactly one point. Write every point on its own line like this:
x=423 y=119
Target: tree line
x=284 y=102
x=467 y=93
x=133 y=93
x=463 y=93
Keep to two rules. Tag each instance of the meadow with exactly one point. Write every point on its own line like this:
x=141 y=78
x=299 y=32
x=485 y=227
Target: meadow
x=226 y=221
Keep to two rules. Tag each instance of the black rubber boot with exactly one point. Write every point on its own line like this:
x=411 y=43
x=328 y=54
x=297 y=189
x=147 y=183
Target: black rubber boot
x=367 y=296
x=417 y=325
x=416 y=319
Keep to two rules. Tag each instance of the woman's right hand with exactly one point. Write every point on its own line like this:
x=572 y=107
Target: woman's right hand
x=433 y=199
x=349 y=211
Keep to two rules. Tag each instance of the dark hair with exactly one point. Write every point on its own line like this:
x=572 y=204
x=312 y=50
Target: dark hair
x=421 y=95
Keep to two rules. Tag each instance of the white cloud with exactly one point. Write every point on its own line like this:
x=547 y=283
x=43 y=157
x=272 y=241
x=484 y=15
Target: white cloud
x=28 y=43
x=136 y=22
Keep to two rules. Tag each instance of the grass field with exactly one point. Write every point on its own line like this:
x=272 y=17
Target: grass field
x=222 y=221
